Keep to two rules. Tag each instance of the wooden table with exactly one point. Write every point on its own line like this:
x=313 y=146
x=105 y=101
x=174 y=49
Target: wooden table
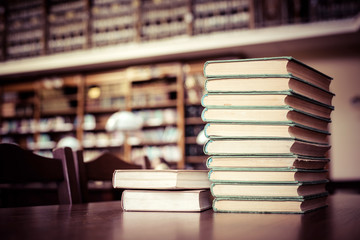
x=105 y=220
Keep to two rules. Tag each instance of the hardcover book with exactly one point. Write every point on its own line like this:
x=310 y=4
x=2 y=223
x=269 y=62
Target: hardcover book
x=268 y=85
x=156 y=200
x=161 y=179
x=266 y=100
x=268 y=176
x=276 y=115
x=242 y=130
x=269 y=205
x=268 y=162
x=275 y=147
x=266 y=190
x=267 y=67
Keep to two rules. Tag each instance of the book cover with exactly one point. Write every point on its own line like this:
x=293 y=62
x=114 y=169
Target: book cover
x=160 y=179
x=264 y=146
x=267 y=67
x=271 y=175
x=169 y=201
x=243 y=84
x=274 y=116
x=268 y=205
x=289 y=131
x=268 y=162
x=266 y=100
x=268 y=190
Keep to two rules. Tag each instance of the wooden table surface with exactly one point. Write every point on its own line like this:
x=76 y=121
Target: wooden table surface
x=106 y=220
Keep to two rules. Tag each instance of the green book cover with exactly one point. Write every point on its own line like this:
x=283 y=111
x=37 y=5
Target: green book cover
x=321 y=175
x=239 y=106
x=279 y=202
x=285 y=108
x=253 y=158
x=293 y=124
x=306 y=84
x=270 y=184
x=287 y=58
x=254 y=146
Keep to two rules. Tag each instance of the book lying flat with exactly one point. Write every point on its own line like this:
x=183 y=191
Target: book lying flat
x=262 y=205
x=263 y=101
x=275 y=147
x=278 y=191
x=236 y=130
x=284 y=162
x=279 y=115
x=160 y=179
x=267 y=67
x=268 y=84
x=268 y=176
x=152 y=200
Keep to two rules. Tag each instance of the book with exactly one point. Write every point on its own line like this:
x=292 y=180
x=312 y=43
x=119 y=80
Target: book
x=156 y=200
x=275 y=147
x=277 y=115
x=160 y=179
x=268 y=85
x=238 y=130
x=268 y=176
x=266 y=100
x=279 y=162
x=280 y=191
x=267 y=67
x=269 y=205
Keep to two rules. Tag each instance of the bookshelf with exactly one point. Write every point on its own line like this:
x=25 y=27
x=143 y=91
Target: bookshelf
x=25 y=29
x=47 y=27
x=154 y=92
x=67 y=25
x=19 y=113
x=194 y=89
x=116 y=46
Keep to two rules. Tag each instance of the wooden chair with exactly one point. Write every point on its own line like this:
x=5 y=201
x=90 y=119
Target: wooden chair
x=100 y=169
x=23 y=173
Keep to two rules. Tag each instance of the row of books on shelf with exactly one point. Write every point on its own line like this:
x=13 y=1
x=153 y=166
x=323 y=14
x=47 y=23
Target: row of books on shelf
x=23 y=126
x=115 y=22
x=170 y=153
x=167 y=135
x=158 y=117
x=151 y=118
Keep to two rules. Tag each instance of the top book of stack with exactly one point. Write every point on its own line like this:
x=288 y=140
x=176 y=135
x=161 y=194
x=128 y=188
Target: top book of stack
x=280 y=67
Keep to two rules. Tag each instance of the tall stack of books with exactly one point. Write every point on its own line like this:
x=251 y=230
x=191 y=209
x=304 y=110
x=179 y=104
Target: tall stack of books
x=267 y=124
x=163 y=190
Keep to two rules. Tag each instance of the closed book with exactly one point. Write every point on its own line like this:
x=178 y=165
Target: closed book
x=259 y=162
x=156 y=200
x=160 y=179
x=268 y=85
x=268 y=205
x=268 y=176
x=263 y=101
x=280 y=191
x=267 y=67
x=276 y=115
x=274 y=147
x=238 y=130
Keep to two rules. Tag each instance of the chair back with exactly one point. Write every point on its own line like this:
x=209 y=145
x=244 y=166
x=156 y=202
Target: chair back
x=99 y=169
x=21 y=169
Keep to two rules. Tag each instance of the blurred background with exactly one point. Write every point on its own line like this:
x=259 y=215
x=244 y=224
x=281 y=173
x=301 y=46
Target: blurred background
x=67 y=66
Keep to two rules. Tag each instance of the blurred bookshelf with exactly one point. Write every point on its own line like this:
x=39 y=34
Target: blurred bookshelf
x=67 y=66
x=46 y=27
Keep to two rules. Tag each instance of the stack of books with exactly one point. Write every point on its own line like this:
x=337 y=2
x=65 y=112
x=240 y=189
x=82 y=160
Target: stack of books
x=267 y=124
x=164 y=190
